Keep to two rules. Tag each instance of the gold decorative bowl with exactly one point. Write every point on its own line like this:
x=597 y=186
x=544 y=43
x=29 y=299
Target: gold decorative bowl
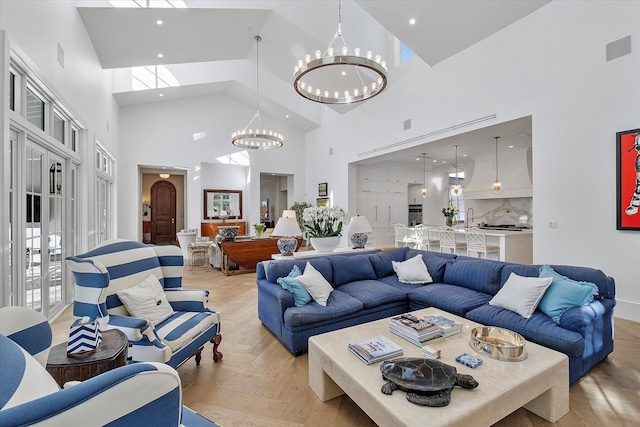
x=498 y=343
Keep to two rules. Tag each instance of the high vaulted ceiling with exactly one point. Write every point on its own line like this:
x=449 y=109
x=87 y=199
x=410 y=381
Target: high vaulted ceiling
x=209 y=48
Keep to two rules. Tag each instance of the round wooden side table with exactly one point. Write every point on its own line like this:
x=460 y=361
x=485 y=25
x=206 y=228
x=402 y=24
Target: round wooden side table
x=111 y=353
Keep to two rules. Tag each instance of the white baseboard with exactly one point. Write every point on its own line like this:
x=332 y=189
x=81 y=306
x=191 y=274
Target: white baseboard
x=627 y=310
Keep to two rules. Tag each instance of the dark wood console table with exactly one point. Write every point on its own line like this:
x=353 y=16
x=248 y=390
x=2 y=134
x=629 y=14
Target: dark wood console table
x=247 y=252
x=111 y=353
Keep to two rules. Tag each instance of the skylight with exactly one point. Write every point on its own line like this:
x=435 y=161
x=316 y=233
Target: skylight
x=240 y=158
x=178 y=4
x=152 y=77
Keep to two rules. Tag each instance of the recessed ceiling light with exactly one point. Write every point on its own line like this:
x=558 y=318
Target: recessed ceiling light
x=162 y=94
x=344 y=73
x=511 y=146
x=464 y=155
x=159 y=22
x=286 y=116
x=160 y=55
x=435 y=161
x=412 y=21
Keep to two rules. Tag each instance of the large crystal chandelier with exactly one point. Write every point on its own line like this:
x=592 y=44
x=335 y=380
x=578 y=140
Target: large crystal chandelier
x=257 y=138
x=338 y=77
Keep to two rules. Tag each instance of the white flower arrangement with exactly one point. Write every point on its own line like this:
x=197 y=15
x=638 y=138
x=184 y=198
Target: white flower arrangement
x=449 y=210
x=323 y=221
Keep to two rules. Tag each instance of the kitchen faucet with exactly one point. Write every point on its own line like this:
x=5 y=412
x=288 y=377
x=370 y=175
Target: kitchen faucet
x=467 y=221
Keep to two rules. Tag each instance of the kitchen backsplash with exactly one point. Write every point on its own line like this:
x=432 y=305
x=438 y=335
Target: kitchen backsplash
x=500 y=211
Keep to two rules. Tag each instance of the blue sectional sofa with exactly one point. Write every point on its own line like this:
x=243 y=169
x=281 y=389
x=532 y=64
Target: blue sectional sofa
x=366 y=288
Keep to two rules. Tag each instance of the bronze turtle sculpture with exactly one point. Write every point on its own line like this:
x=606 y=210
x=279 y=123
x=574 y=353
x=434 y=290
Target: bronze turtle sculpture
x=427 y=382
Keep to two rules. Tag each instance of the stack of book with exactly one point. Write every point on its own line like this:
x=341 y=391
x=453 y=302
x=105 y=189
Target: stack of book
x=375 y=349
x=414 y=330
x=431 y=351
x=447 y=326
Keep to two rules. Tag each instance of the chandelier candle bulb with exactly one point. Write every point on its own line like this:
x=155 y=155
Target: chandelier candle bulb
x=356 y=51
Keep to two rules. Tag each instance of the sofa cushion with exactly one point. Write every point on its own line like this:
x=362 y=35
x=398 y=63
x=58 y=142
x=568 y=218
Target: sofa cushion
x=539 y=328
x=521 y=294
x=183 y=326
x=381 y=261
x=282 y=268
x=346 y=269
x=315 y=284
x=300 y=294
x=373 y=293
x=435 y=262
x=412 y=271
x=478 y=274
x=454 y=299
x=404 y=287
x=339 y=304
x=564 y=293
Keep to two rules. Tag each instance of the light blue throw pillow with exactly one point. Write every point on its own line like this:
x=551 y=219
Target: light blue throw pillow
x=564 y=293
x=289 y=283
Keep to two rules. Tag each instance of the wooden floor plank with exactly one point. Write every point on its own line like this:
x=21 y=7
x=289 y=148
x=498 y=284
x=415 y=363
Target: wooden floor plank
x=259 y=383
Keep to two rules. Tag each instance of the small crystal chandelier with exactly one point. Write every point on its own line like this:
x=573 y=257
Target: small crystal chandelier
x=424 y=191
x=258 y=138
x=456 y=189
x=354 y=78
x=496 y=187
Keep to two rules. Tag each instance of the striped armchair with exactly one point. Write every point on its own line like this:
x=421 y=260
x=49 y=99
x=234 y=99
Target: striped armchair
x=29 y=395
x=121 y=264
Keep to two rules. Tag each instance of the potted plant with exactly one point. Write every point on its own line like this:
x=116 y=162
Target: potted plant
x=259 y=228
x=449 y=212
x=323 y=225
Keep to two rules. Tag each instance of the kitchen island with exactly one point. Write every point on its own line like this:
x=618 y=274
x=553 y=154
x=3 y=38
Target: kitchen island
x=515 y=246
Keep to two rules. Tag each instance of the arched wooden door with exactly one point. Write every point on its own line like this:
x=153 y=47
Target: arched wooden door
x=163 y=212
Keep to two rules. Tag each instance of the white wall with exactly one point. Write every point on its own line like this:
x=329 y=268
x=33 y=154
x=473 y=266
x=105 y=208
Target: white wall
x=550 y=65
x=192 y=133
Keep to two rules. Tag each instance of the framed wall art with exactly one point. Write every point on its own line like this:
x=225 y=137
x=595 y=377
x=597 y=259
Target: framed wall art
x=322 y=189
x=322 y=201
x=628 y=180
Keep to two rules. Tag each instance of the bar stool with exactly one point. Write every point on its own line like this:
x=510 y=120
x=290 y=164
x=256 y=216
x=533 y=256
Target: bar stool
x=428 y=239
x=448 y=240
x=477 y=242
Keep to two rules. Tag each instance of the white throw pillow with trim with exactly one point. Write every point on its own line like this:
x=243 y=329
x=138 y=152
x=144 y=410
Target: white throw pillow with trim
x=315 y=283
x=146 y=300
x=521 y=294
x=413 y=271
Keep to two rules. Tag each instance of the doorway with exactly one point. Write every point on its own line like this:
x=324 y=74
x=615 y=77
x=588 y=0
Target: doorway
x=163 y=212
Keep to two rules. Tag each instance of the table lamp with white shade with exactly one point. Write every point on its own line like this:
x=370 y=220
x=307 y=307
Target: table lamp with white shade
x=358 y=226
x=288 y=228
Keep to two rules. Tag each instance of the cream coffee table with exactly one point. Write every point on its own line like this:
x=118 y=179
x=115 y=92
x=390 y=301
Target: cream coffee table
x=540 y=383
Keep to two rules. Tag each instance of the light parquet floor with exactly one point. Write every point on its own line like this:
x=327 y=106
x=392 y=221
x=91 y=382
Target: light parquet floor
x=259 y=383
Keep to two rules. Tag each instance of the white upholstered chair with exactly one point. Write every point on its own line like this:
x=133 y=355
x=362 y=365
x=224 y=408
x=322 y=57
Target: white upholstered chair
x=448 y=241
x=477 y=242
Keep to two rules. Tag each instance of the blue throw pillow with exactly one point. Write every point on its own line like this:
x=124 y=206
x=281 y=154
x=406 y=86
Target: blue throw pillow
x=564 y=293
x=289 y=283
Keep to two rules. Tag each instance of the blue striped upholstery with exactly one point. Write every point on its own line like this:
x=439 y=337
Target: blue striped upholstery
x=29 y=329
x=138 y=394
x=121 y=264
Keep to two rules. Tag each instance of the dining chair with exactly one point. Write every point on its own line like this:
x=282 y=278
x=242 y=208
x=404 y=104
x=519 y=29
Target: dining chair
x=401 y=237
x=448 y=240
x=477 y=242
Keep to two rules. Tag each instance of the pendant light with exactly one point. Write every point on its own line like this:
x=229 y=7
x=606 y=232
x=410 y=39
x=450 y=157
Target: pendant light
x=496 y=187
x=456 y=189
x=258 y=138
x=337 y=77
x=424 y=192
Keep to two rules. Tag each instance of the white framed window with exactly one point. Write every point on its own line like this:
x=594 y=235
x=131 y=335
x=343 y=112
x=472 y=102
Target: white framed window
x=104 y=193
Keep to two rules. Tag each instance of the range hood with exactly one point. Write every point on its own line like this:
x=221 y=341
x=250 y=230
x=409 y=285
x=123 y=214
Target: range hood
x=514 y=172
